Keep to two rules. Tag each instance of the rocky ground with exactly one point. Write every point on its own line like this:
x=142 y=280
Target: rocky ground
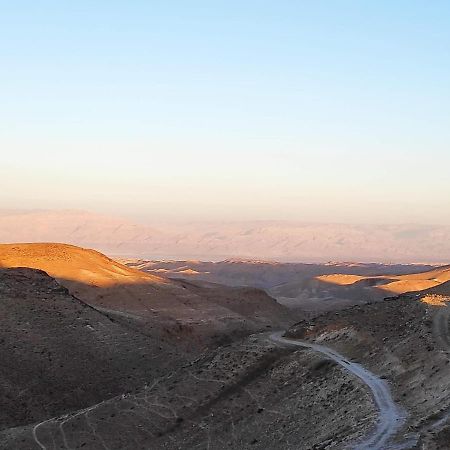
x=58 y=354
x=299 y=286
x=74 y=377
x=250 y=394
x=90 y=373
x=405 y=340
x=190 y=316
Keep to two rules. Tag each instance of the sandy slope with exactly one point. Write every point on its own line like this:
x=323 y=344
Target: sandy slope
x=395 y=284
x=58 y=354
x=68 y=262
x=157 y=306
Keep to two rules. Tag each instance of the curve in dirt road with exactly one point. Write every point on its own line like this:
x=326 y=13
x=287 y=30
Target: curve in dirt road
x=441 y=327
x=390 y=416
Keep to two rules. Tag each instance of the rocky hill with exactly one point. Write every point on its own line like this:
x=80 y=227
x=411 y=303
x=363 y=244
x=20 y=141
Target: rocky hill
x=59 y=354
x=311 y=288
x=405 y=340
x=135 y=360
x=189 y=314
x=250 y=394
x=76 y=376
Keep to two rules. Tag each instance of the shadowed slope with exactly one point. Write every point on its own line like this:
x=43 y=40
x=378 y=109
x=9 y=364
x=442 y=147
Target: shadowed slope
x=251 y=394
x=153 y=305
x=59 y=354
x=122 y=330
x=296 y=286
x=405 y=340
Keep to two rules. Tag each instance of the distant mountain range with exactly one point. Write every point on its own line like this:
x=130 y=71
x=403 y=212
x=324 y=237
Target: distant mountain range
x=269 y=240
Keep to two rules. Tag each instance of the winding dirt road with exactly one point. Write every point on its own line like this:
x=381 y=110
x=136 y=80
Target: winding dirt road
x=390 y=416
x=441 y=327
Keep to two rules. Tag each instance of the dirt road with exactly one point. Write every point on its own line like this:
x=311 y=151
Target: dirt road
x=441 y=327
x=390 y=416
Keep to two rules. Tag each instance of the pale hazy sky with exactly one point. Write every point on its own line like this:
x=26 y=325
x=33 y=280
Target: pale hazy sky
x=335 y=111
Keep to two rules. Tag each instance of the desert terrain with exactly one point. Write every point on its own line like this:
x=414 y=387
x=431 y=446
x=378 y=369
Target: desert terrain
x=178 y=311
x=405 y=340
x=105 y=355
x=310 y=288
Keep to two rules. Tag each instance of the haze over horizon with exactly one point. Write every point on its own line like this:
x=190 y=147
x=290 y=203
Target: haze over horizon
x=309 y=112
x=284 y=241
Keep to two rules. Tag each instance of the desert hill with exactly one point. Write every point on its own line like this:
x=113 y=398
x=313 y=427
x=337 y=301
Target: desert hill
x=248 y=394
x=344 y=288
x=77 y=376
x=299 y=286
x=110 y=368
x=406 y=340
x=88 y=274
x=442 y=289
x=60 y=355
x=260 y=273
x=393 y=284
x=155 y=306
x=71 y=263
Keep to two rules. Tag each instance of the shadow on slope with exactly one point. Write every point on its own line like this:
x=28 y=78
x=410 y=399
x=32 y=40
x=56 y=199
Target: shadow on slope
x=64 y=352
x=154 y=305
x=59 y=354
x=406 y=340
x=250 y=394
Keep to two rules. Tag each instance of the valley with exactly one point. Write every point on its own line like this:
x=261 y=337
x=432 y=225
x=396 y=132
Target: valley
x=309 y=288
x=151 y=354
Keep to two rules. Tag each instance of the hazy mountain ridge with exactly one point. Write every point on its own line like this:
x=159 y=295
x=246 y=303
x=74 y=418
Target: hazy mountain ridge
x=278 y=240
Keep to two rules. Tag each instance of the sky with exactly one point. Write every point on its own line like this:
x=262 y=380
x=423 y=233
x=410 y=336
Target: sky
x=324 y=111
